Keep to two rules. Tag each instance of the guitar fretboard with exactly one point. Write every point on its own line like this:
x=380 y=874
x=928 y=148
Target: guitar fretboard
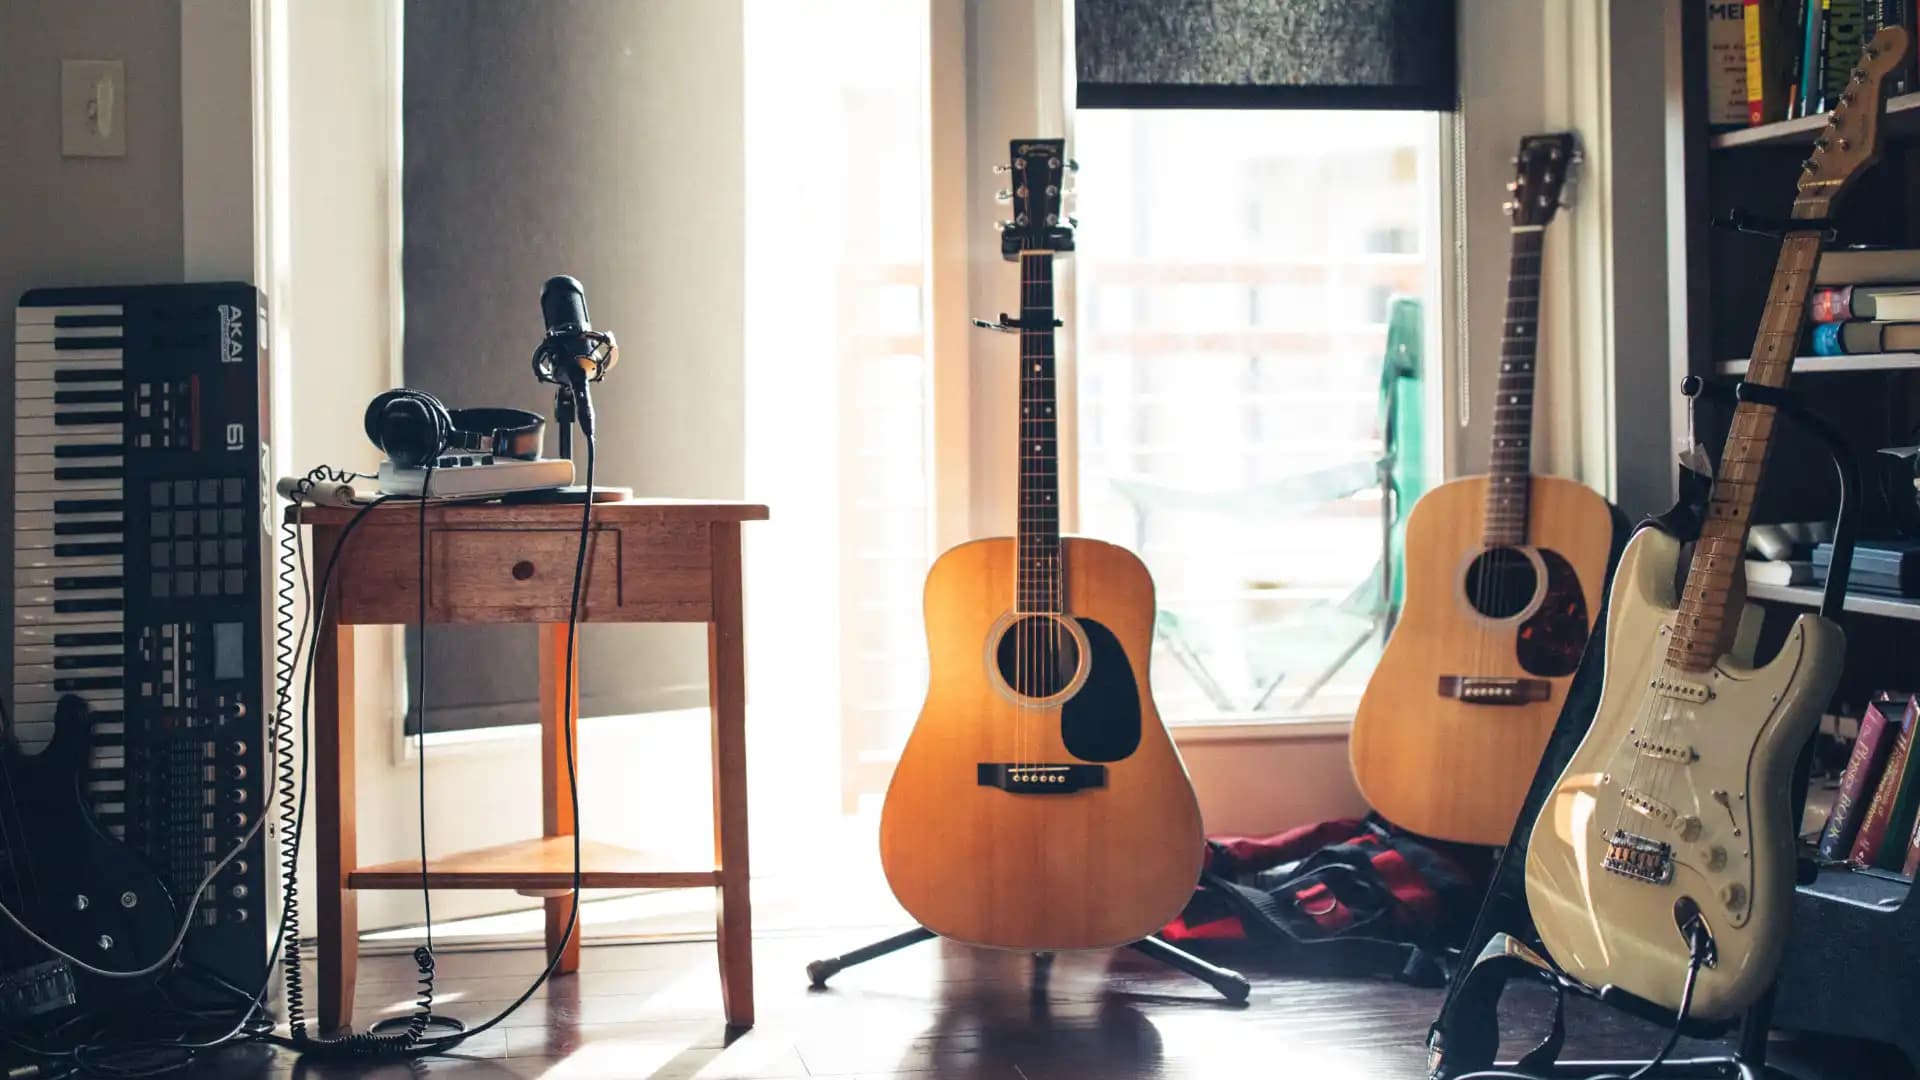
x=1510 y=462
x=1703 y=629
x=1038 y=580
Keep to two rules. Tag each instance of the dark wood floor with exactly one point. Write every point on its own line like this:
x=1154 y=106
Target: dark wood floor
x=937 y=1010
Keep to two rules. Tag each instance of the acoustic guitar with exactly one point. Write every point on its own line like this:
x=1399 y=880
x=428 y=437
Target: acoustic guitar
x=1039 y=803
x=1667 y=844
x=1503 y=575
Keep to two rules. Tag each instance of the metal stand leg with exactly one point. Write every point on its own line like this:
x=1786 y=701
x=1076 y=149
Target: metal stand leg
x=820 y=971
x=1232 y=985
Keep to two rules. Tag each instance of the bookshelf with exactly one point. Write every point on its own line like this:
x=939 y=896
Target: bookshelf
x=1845 y=926
x=1829 y=365
x=1808 y=596
x=1903 y=120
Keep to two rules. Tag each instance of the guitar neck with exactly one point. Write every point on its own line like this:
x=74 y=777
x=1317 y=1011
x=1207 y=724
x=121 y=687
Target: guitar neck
x=1510 y=462
x=1038 y=580
x=1705 y=624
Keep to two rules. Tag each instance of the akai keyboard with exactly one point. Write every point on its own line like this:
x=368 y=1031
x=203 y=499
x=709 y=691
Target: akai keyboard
x=138 y=563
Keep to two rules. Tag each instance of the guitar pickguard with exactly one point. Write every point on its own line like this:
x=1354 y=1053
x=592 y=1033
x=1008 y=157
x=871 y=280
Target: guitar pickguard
x=1102 y=721
x=1552 y=640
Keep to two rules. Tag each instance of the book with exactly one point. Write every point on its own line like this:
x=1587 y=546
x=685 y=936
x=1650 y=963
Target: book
x=1779 y=571
x=1906 y=807
x=1844 y=24
x=1861 y=776
x=1890 y=566
x=1838 y=303
x=1869 y=266
x=1879 y=816
x=1726 y=64
x=1809 y=57
x=1858 y=336
x=1768 y=27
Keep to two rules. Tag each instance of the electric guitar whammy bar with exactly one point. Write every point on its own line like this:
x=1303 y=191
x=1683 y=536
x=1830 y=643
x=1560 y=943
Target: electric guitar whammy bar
x=1504 y=572
x=1039 y=803
x=1664 y=855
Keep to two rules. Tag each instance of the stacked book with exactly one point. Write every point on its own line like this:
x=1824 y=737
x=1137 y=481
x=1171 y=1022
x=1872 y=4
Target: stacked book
x=1886 y=567
x=1866 y=300
x=1770 y=60
x=1876 y=810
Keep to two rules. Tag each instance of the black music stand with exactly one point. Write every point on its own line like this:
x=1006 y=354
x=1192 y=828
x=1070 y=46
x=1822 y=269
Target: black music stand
x=1231 y=984
x=1465 y=1037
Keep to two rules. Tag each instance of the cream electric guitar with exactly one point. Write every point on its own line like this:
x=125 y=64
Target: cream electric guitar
x=1669 y=835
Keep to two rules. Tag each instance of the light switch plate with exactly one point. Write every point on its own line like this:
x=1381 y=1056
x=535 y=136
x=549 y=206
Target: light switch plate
x=93 y=108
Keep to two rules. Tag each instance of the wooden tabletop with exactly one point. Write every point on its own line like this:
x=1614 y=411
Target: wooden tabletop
x=677 y=511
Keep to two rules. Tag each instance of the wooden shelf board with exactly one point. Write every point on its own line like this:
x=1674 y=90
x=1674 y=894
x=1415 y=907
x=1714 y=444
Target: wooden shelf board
x=1889 y=607
x=1903 y=118
x=541 y=863
x=1817 y=365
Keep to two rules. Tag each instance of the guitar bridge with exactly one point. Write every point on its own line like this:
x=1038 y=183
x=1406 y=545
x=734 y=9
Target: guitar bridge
x=1040 y=779
x=1494 y=690
x=37 y=990
x=1637 y=857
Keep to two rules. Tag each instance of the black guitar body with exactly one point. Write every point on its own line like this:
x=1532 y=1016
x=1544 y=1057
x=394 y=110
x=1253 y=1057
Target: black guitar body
x=71 y=882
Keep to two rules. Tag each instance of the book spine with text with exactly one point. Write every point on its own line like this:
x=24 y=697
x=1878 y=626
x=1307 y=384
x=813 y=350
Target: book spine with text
x=1870 y=750
x=1873 y=827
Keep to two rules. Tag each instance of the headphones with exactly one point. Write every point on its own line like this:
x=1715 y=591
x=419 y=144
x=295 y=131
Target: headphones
x=414 y=429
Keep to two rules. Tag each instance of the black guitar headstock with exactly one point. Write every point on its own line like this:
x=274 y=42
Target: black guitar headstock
x=1037 y=169
x=1543 y=171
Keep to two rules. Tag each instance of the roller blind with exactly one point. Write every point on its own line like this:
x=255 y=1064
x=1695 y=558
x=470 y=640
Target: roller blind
x=1227 y=54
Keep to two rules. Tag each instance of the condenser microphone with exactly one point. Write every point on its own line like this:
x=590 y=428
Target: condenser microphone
x=573 y=353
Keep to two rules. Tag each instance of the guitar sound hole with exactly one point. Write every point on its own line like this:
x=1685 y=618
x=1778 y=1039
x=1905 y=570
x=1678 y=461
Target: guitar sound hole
x=1501 y=582
x=1037 y=656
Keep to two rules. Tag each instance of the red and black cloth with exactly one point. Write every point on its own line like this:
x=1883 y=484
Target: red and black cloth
x=1345 y=880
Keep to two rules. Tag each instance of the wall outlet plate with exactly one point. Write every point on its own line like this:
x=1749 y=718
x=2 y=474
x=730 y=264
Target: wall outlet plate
x=93 y=107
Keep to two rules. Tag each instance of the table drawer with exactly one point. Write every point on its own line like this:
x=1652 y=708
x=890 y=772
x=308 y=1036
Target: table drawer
x=633 y=573
x=527 y=574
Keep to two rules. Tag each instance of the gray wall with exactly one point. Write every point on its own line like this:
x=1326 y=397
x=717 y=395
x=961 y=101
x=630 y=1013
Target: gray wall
x=1643 y=384
x=82 y=221
x=599 y=138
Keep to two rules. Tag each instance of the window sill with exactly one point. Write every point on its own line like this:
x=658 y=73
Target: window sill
x=1274 y=730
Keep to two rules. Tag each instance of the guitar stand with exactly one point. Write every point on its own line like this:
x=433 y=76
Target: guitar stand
x=1465 y=1037
x=1231 y=984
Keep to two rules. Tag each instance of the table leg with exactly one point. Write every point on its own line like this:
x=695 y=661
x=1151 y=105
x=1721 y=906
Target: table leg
x=556 y=804
x=336 y=849
x=727 y=692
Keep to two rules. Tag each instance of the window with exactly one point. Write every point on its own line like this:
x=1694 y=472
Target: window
x=1234 y=274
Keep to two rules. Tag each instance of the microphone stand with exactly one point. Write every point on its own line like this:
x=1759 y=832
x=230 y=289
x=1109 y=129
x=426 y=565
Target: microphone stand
x=563 y=415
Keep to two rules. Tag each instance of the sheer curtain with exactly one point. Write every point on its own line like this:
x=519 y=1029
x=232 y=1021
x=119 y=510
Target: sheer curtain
x=837 y=406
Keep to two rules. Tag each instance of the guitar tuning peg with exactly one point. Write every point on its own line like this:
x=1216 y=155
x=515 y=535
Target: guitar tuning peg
x=1072 y=165
x=1002 y=226
x=1073 y=222
x=1579 y=157
x=1001 y=169
x=1003 y=195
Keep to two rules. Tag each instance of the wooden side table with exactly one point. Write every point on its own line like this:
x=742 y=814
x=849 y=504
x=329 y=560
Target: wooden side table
x=647 y=561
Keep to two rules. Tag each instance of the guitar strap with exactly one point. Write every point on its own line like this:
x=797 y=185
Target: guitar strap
x=1470 y=1039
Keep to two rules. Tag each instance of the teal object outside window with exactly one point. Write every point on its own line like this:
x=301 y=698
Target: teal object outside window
x=1403 y=431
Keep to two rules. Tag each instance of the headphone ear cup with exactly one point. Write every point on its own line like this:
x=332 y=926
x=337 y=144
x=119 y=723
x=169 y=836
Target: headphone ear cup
x=409 y=426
